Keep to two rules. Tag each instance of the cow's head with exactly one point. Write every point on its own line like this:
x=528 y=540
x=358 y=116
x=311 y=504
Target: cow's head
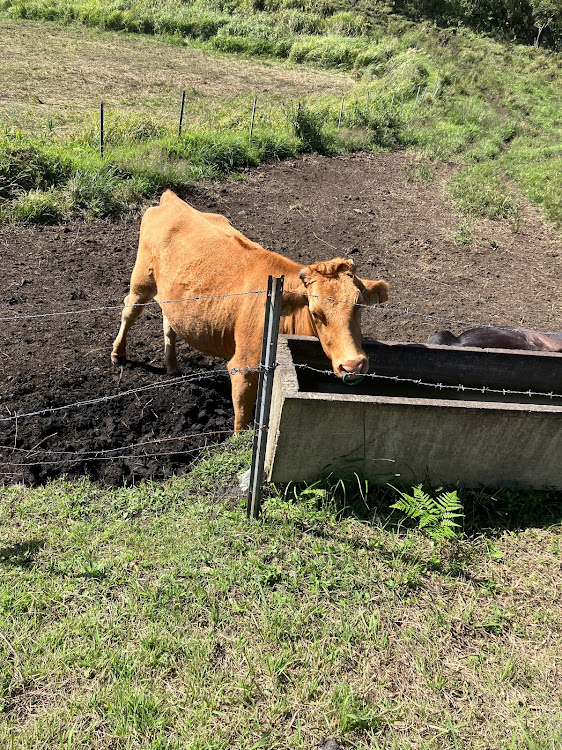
x=338 y=323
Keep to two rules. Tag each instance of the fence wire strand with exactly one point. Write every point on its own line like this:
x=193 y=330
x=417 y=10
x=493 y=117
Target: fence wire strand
x=14 y=318
x=117 y=454
x=406 y=312
x=141 y=389
x=237 y=370
x=103 y=451
x=138 y=456
x=103 y=454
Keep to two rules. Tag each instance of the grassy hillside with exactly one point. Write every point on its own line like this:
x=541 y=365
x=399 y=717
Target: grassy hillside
x=449 y=94
x=157 y=617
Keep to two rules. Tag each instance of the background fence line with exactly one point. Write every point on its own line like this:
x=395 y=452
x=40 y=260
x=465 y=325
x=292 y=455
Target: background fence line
x=97 y=119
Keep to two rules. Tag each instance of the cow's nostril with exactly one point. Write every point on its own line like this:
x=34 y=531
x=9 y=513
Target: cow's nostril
x=352 y=366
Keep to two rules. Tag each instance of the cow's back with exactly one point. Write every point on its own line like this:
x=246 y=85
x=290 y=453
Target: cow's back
x=201 y=258
x=176 y=239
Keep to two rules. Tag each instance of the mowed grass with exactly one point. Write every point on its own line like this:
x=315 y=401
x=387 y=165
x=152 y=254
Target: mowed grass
x=61 y=75
x=159 y=617
x=448 y=94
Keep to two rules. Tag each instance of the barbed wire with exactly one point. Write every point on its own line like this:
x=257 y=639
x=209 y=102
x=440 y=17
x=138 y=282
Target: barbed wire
x=429 y=317
x=457 y=387
x=237 y=370
x=141 y=389
x=87 y=311
x=102 y=451
x=63 y=462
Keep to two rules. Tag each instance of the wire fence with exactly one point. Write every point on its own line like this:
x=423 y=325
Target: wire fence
x=94 y=122
x=387 y=309
x=38 y=456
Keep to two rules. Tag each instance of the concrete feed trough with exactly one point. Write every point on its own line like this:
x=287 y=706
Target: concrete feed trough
x=404 y=432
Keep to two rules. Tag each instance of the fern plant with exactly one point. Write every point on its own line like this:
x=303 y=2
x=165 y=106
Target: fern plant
x=435 y=515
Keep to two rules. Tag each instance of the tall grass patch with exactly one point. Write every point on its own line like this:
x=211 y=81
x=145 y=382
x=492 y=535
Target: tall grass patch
x=482 y=191
x=538 y=172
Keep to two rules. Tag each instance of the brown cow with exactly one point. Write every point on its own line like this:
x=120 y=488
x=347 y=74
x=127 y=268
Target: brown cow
x=491 y=337
x=184 y=253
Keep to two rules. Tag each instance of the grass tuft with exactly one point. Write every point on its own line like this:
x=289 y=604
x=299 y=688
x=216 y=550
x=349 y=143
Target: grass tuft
x=480 y=191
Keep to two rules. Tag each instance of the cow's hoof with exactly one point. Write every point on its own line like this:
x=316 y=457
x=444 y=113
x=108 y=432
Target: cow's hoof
x=175 y=372
x=118 y=361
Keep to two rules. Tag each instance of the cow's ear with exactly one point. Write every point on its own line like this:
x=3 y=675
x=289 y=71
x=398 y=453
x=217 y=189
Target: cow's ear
x=329 y=268
x=373 y=292
x=293 y=301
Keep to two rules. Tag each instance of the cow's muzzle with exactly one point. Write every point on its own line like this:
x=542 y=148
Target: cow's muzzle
x=351 y=367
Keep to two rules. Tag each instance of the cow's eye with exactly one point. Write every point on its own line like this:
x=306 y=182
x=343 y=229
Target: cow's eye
x=315 y=315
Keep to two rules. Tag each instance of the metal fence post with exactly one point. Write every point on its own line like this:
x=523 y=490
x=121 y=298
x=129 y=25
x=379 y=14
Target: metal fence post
x=253 y=116
x=101 y=130
x=181 y=113
x=265 y=387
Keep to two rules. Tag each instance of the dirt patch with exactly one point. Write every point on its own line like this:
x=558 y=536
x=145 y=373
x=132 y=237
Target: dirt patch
x=308 y=209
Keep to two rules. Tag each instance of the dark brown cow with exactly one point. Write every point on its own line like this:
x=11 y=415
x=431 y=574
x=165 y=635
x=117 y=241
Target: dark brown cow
x=184 y=253
x=502 y=338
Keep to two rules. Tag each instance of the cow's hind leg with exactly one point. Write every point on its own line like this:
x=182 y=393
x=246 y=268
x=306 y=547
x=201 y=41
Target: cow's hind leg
x=134 y=301
x=170 y=337
x=244 y=389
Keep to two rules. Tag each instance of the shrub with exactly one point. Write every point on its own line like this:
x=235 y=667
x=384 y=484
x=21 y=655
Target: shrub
x=308 y=128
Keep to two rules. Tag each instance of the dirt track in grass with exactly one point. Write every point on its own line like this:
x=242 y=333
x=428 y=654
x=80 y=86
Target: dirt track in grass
x=309 y=209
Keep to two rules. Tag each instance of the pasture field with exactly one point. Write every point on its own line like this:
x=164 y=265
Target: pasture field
x=156 y=616
x=449 y=94
x=139 y=609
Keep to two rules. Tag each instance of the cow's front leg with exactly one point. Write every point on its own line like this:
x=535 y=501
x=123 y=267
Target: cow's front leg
x=244 y=388
x=170 y=337
x=131 y=312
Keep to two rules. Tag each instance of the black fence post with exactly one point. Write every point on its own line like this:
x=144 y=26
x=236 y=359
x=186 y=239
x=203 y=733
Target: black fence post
x=265 y=387
x=101 y=130
x=181 y=113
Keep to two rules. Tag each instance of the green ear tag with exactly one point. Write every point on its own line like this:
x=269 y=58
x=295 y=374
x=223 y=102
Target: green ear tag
x=352 y=382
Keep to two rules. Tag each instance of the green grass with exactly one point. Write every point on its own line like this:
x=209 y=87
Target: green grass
x=481 y=191
x=157 y=616
x=451 y=95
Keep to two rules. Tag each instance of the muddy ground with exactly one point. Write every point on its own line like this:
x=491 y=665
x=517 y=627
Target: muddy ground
x=309 y=209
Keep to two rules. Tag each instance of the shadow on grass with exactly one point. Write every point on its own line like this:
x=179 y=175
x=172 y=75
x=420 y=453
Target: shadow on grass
x=484 y=510
x=510 y=510
x=21 y=555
